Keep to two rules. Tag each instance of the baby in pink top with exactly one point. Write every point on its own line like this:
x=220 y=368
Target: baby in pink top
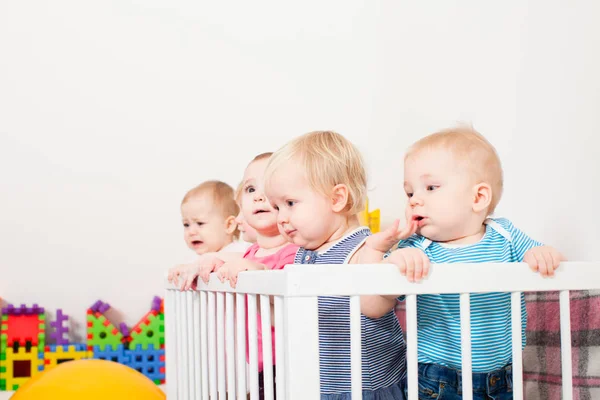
x=274 y=261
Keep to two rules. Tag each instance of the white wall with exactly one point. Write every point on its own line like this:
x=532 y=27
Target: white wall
x=110 y=111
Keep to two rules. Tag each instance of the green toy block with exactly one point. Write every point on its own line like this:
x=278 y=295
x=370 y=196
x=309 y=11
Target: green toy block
x=2 y=384
x=151 y=332
x=101 y=332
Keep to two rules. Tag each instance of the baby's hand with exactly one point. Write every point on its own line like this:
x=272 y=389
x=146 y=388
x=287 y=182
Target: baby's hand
x=413 y=263
x=544 y=259
x=230 y=270
x=383 y=241
x=179 y=274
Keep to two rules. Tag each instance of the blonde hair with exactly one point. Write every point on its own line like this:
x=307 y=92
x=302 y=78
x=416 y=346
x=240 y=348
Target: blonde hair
x=471 y=148
x=328 y=159
x=222 y=196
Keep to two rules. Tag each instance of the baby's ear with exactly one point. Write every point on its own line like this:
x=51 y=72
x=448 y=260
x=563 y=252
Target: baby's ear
x=339 y=198
x=482 y=197
x=230 y=225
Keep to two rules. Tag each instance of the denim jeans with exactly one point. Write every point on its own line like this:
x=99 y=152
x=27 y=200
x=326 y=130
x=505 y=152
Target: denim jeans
x=443 y=383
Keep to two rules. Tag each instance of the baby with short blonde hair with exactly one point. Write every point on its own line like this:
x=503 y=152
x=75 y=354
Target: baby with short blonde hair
x=453 y=180
x=317 y=183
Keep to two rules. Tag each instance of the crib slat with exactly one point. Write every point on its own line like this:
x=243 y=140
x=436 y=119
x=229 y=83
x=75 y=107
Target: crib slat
x=222 y=389
x=196 y=344
x=517 y=346
x=171 y=344
x=212 y=346
x=180 y=346
x=230 y=343
x=279 y=348
x=240 y=335
x=301 y=329
x=465 y=335
x=267 y=348
x=189 y=316
x=411 y=350
x=565 y=345
x=355 y=348
x=204 y=342
x=253 y=346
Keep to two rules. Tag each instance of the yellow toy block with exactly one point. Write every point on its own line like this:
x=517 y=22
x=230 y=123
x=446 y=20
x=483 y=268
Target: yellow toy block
x=56 y=354
x=19 y=366
x=372 y=219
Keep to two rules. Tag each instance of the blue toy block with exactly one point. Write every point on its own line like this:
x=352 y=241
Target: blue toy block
x=109 y=353
x=150 y=362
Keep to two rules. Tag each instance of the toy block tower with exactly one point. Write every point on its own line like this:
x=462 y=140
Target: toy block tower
x=22 y=340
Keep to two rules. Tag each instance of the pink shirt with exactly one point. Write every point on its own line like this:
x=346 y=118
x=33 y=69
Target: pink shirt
x=275 y=261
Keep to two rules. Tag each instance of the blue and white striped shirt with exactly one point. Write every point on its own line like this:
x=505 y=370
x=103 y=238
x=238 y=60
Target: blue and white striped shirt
x=383 y=346
x=438 y=324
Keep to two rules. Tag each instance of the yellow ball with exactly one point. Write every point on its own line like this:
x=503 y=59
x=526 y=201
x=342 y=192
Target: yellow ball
x=90 y=380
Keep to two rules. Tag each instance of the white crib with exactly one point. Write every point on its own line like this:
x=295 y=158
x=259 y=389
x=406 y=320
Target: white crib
x=203 y=362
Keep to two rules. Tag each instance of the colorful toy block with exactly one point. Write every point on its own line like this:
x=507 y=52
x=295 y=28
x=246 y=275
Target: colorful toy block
x=58 y=354
x=372 y=219
x=117 y=353
x=59 y=330
x=150 y=330
x=100 y=331
x=23 y=326
x=149 y=361
x=18 y=366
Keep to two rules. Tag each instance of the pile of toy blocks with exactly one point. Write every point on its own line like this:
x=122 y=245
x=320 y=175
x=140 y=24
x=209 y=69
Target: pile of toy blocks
x=142 y=348
x=25 y=352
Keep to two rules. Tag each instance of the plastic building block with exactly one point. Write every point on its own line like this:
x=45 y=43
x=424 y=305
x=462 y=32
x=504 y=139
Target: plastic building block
x=100 y=307
x=116 y=354
x=370 y=218
x=150 y=362
x=58 y=354
x=23 y=310
x=156 y=304
x=59 y=330
x=149 y=331
x=23 y=326
x=101 y=332
x=18 y=366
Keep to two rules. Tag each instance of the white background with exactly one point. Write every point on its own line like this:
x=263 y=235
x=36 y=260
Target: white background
x=110 y=111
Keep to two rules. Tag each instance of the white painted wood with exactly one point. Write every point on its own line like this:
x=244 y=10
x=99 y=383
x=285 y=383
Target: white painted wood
x=204 y=343
x=170 y=344
x=212 y=345
x=267 y=348
x=253 y=346
x=355 y=347
x=230 y=343
x=221 y=383
x=465 y=336
x=181 y=371
x=185 y=350
x=517 y=346
x=412 y=361
x=189 y=316
x=196 y=340
x=565 y=345
x=280 y=346
x=240 y=312
x=385 y=279
x=302 y=348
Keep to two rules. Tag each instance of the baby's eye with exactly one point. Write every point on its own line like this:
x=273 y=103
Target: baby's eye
x=409 y=195
x=431 y=187
x=290 y=203
x=276 y=208
x=200 y=223
x=186 y=225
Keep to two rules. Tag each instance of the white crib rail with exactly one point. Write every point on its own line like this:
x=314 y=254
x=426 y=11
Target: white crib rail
x=295 y=292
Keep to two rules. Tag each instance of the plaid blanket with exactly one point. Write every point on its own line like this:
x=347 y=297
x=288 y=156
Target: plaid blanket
x=541 y=356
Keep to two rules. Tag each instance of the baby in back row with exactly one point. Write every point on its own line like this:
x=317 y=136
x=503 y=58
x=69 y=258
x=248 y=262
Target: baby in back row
x=315 y=186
